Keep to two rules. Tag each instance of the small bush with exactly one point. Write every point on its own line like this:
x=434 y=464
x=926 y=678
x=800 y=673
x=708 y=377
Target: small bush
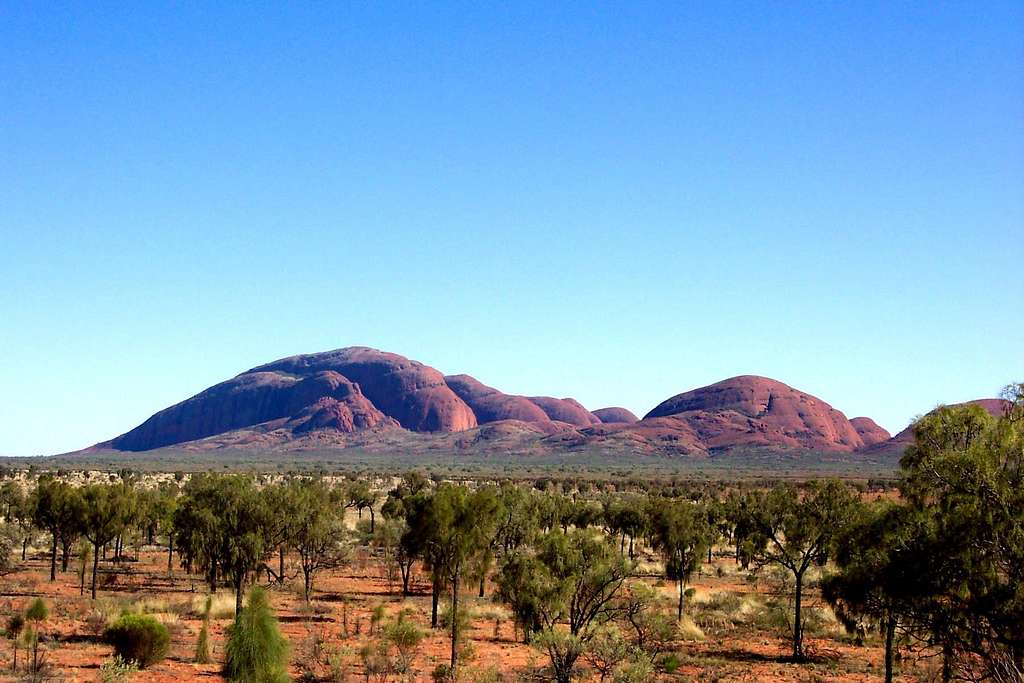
x=37 y=611
x=406 y=639
x=116 y=670
x=202 y=655
x=96 y=622
x=138 y=638
x=256 y=650
x=441 y=673
x=670 y=663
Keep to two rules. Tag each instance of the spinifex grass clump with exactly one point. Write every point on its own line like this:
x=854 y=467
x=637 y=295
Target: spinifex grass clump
x=256 y=650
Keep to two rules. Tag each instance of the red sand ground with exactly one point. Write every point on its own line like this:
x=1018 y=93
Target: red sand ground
x=75 y=653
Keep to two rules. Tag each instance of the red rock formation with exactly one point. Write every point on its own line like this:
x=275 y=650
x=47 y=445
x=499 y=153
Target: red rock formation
x=352 y=414
x=251 y=398
x=870 y=432
x=414 y=394
x=490 y=405
x=757 y=411
x=565 y=410
x=368 y=388
x=613 y=415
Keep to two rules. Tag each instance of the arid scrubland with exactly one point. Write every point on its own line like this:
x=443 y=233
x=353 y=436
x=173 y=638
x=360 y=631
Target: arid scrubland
x=416 y=578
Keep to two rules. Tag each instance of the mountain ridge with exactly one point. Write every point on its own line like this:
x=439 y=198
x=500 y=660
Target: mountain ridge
x=358 y=394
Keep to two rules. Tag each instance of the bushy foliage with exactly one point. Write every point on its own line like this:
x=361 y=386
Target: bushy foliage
x=116 y=670
x=139 y=638
x=256 y=650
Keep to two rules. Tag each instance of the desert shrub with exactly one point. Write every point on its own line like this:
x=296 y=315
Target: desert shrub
x=202 y=655
x=37 y=611
x=220 y=605
x=406 y=638
x=773 y=616
x=669 y=663
x=639 y=671
x=442 y=673
x=139 y=638
x=152 y=605
x=96 y=622
x=719 y=610
x=337 y=671
x=256 y=650
x=376 y=662
x=117 y=670
x=376 y=617
x=725 y=602
x=15 y=627
x=171 y=620
x=490 y=674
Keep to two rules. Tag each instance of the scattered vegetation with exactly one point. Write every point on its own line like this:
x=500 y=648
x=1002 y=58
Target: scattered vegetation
x=627 y=579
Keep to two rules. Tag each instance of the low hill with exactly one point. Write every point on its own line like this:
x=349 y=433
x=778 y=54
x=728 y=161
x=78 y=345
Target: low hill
x=359 y=397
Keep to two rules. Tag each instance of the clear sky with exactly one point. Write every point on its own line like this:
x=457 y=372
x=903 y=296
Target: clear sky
x=611 y=201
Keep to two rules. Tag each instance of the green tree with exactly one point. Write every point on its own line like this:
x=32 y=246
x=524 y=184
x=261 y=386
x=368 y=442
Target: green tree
x=965 y=474
x=564 y=591
x=796 y=532
x=58 y=509
x=461 y=524
x=319 y=537
x=224 y=525
x=362 y=497
x=879 y=564
x=105 y=509
x=681 y=534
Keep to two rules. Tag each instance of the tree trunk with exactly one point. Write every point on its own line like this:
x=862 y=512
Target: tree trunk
x=280 y=565
x=947 y=661
x=170 y=554
x=307 y=582
x=65 y=554
x=682 y=593
x=53 y=559
x=433 y=604
x=239 y=582
x=455 y=624
x=24 y=547
x=798 y=633
x=890 y=633
x=406 y=570
x=373 y=520
x=709 y=553
x=483 y=579
x=95 y=562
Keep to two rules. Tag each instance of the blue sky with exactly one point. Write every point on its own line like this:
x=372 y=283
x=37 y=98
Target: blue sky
x=616 y=202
